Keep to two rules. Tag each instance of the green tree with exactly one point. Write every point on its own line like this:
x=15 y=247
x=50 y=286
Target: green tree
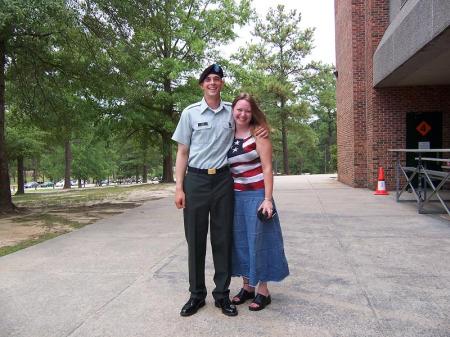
x=300 y=138
x=279 y=54
x=52 y=163
x=319 y=90
x=91 y=158
x=23 y=141
x=25 y=29
x=159 y=43
x=62 y=92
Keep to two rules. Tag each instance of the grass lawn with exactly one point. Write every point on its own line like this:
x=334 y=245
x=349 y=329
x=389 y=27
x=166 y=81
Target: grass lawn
x=71 y=196
x=46 y=213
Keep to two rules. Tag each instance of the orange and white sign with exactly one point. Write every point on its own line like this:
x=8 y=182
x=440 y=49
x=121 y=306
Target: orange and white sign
x=423 y=128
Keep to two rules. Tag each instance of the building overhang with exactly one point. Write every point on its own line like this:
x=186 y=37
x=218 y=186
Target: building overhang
x=415 y=49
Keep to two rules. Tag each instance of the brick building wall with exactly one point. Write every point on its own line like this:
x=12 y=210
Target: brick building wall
x=377 y=12
x=372 y=120
x=359 y=19
x=391 y=106
x=344 y=92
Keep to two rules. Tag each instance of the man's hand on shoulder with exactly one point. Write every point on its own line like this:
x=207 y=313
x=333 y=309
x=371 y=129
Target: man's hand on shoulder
x=261 y=132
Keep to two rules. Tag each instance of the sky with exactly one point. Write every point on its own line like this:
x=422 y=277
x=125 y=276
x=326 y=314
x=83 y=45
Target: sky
x=315 y=13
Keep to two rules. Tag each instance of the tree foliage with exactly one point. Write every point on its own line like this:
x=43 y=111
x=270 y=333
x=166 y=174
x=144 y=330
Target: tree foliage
x=26 y=29
x=278 y=54
x=319 y=89
x=93 y=89
x=156 y=46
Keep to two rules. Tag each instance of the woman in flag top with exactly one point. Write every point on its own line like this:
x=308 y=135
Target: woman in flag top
x=257 y=253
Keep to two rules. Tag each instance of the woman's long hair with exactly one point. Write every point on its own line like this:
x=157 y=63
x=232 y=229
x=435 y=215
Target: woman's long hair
x=258 y=117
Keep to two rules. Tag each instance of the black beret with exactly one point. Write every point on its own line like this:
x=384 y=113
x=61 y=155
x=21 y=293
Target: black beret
x=212 y=69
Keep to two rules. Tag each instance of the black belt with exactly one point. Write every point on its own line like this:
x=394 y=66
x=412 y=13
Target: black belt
x=208 y=171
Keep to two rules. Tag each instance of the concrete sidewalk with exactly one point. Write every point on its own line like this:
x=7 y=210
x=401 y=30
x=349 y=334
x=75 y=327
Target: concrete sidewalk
x=361 y=265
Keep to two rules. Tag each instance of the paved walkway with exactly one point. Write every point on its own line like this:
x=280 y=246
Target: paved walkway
x=361 y=265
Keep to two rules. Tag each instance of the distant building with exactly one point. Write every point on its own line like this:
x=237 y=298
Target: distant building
x=393 y=83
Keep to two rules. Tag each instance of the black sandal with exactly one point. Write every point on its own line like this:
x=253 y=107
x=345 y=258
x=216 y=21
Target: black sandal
x=262 y=302
x=243 y=296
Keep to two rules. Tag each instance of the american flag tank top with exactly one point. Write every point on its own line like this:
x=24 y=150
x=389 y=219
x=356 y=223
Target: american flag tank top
x=245 y=165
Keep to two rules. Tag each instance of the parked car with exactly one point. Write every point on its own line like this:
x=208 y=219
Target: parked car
x=31 y=184
x=104 y=182
x=46 y=184
x=60 y=183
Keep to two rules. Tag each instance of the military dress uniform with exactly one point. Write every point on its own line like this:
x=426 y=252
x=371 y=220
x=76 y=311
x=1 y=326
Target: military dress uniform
x=208 y=188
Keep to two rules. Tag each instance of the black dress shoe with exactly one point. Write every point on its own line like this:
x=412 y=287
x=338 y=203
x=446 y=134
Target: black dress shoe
x=243 y=296
x=192 y=306
x=228 y=308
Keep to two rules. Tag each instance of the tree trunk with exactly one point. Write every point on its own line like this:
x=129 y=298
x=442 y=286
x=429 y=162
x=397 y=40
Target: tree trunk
x=167 y=158
x=34 y=161
x=68 y=164
x=166 y=139
x=275 y=166
x=79 y=183
x=144 y=173
x=285 y=147
x=329 y=140
x=20 y=180
x=284 y=140
x=144 y=162
x=6 y=204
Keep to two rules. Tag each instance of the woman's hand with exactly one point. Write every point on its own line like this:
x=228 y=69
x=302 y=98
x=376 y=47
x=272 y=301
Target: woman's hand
x=267 y=207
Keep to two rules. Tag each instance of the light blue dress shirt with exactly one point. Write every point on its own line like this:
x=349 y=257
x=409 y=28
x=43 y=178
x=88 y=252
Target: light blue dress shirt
x=208 y=133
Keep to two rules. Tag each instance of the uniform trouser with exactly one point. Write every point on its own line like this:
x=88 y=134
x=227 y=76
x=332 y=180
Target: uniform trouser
x=209 y=196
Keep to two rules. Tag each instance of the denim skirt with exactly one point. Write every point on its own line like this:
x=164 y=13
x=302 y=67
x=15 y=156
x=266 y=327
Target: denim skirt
x=258 y=251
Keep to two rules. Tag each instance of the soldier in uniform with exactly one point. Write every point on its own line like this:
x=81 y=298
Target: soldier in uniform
x=204 y=134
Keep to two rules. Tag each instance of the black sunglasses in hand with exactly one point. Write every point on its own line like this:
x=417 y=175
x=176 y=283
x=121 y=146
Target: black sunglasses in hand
x=264 y=216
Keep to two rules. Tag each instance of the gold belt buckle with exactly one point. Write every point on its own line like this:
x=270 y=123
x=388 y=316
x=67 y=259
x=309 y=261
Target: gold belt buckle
x=211 y=171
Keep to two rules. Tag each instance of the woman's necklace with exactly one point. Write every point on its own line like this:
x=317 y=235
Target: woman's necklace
x=242 y=134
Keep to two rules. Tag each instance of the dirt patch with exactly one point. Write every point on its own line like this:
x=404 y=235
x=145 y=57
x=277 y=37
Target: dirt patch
x=11 y=233
x=36 y=220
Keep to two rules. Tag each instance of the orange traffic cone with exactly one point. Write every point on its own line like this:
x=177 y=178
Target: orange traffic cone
x=381 y=186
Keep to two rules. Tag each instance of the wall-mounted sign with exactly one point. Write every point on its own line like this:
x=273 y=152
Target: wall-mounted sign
x=423 y=128
x=423 y=145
